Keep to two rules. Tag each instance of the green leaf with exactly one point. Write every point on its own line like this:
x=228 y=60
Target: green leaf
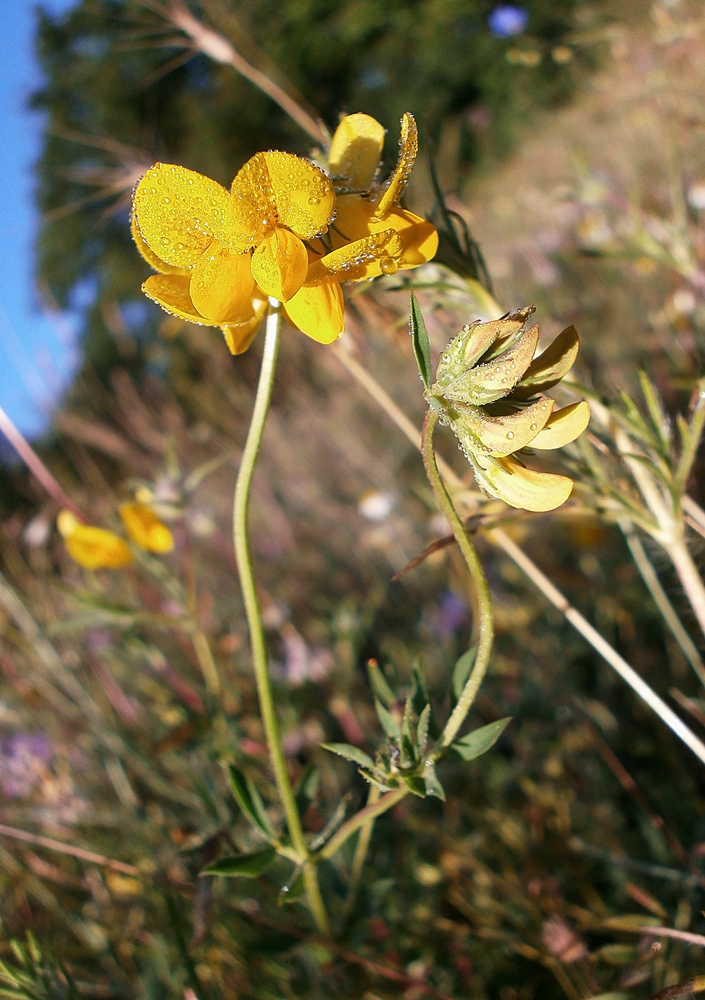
x=461 y=672
x=422 y=730
x=379 y=685
x=419 y=692
x=408 y=744
x=293 y=890
x=386 y=721
x=433 y=785
x=420 y=342
x=416 y=786
x=248 y=798
x=479 y=741
x=347 y=750
x=246 y=865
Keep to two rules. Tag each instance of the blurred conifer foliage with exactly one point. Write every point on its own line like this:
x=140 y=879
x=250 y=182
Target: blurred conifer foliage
x=123 y=90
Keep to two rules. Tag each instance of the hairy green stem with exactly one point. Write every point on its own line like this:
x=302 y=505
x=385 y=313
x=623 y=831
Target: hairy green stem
x=254 y=618
x=485 y=620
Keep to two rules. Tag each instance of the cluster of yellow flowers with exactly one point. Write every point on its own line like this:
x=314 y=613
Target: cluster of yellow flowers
x=98 y=548
x=285 y=230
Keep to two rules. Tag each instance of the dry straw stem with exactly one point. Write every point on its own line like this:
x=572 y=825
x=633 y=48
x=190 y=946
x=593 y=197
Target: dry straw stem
x=214 y=45
x=653 y=584
x=529 y=568
x=75 y=852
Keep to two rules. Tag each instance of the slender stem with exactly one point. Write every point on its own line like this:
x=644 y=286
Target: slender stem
x=485 y=621
x=252 y=611
x=653 y=584
x=218 y=48
x=360 y=819
x=690 y=578
x=361 y=849
x=35 y=465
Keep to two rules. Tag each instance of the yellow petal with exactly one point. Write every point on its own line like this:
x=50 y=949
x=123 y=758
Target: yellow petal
x=156 y=262
x=419 y=238
x=145 y=529
x=171 y=292
x=356 y=150
x=508 y=480
x=564 y=426
x=355 y=220
x=303 y=195
x=318 y=310
x=500 y=435
x=366 y=258
x=488 y=382
x=66 y=522
x=239 y=336
x=408 y=148
x=96 y=548
x=253 y=196
x=221 y=284
x=280 y=264
x=550 y=367
x=179 y=213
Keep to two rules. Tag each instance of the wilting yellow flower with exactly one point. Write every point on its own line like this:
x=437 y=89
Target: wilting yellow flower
x=490 y=392
x=221 y=253
x=368 y=209
x=92 y=548
x=145 y=529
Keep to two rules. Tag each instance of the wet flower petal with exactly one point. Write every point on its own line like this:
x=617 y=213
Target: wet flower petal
x=355 y=220
x=564 y=426
x=369 y=257
x=508 y=480
x=480 y=432
x=239 y=336
x=318 y=310
x=280 y=264
x=180 y=212
x=156 y=262
x=303 y=195
x=356 y=150
x=408 y=148
x=145 y=529
x=221 y=284
x=171 y=292
x=485 y=383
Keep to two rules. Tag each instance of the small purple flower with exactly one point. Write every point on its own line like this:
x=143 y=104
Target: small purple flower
x=506 y=20
x=452 y=614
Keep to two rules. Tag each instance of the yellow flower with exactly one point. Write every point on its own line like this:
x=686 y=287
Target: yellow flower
x=145 y=529
x=489 y=391
x=221 y=253
x=367 y=209
x=92 y=548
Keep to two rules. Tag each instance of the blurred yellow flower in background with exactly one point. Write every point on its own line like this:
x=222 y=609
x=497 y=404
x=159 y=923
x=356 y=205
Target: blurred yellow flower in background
x=90 y=547
x=99 y=548
x=145 y=529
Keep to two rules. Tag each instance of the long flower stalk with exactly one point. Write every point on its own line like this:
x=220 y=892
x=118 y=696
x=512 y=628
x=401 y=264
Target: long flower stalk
x=483 y=602
x=254 y=617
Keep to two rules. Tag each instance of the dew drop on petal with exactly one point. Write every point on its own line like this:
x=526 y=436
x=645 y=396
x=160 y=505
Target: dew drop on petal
x=510 y=435
x=388 y=266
